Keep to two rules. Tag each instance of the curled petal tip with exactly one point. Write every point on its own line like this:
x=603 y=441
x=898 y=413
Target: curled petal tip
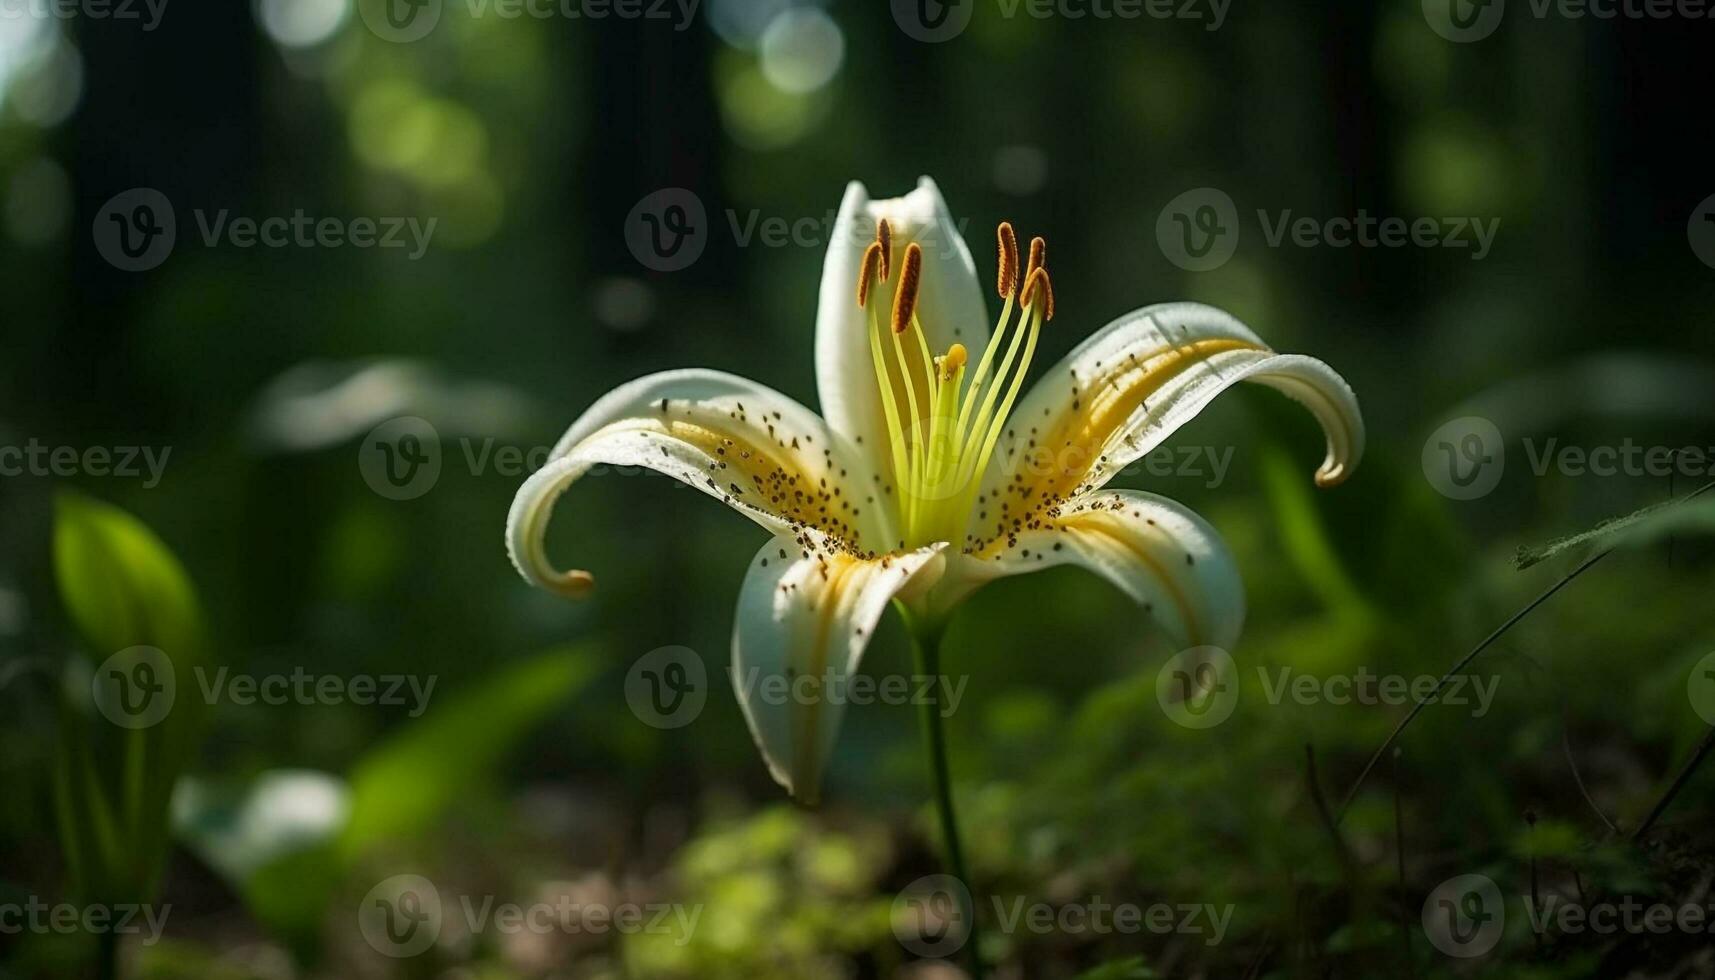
x=1332 y=475
x=574 y=584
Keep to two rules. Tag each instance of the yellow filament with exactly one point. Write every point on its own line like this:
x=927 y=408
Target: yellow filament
x=916 y=445
x=889 y=406
x=980 y=424
x=941 y=441
x=1036 y=313
x=982 y=372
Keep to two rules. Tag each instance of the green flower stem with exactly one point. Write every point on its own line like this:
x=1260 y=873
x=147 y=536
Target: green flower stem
x=926 y=650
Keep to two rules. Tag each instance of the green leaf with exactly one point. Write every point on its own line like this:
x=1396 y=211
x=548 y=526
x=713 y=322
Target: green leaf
x=1635 y=530
x=1305 y=534
x=402 y=788
x=131 y=600
x=289 y=871
x=120 y=584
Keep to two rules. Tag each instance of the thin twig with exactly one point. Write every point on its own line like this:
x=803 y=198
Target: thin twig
x=1464 y=661
x=1583 y=567
x=1566 y=740
x=1322 y=810
x=1679 y=782
x=1262 y=952
x=1578 y=777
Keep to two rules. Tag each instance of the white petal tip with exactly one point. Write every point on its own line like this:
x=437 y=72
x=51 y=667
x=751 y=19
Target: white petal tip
x=575 y=584
x=1332 y=475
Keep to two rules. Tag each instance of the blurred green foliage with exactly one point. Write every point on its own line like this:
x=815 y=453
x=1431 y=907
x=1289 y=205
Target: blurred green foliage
x=529 y=775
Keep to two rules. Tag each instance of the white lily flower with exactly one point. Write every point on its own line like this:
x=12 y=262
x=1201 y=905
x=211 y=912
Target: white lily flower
x=928 y=475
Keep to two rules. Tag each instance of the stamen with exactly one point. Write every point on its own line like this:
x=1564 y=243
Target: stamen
x=884 y=238
x=905 y=296
x=866 y=274
x=1037 y=315
x=1007 y=279
x=1039 y=281
x=1038 y=258
x=896 y=442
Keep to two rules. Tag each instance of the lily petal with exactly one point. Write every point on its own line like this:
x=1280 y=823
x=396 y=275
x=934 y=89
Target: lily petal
x=762 y=453
x=950 y=304
x=1127 y=388
x=804 y=621
x=1158 y=552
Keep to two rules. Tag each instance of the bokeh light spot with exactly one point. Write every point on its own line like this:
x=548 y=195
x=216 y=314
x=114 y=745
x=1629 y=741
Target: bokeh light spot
x=302 y=23
x=802 y=50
